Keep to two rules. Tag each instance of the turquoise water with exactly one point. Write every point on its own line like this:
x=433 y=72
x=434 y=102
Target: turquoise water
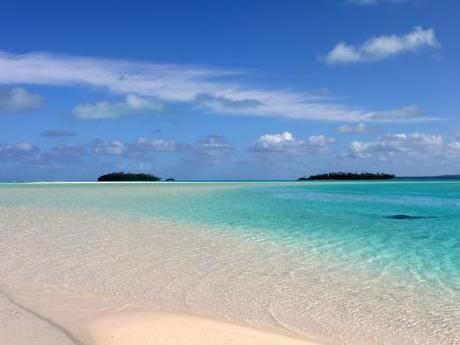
x=349 y=220
x=353 y=228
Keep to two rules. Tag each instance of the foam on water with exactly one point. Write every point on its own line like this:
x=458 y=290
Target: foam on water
x=324 y=259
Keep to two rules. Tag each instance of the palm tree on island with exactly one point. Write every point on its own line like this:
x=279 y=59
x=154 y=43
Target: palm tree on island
x=349 y=176
x=122 y=176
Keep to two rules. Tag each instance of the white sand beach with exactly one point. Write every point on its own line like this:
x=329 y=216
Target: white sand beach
x=179 y=329
x=19 y=326
x=46 y=310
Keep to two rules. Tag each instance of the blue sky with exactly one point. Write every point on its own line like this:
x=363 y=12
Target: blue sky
x=228 y=89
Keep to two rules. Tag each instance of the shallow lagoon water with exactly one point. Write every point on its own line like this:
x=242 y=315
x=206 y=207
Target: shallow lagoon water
x=339 y=253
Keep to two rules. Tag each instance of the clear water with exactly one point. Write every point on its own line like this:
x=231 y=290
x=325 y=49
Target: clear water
x=347 y=227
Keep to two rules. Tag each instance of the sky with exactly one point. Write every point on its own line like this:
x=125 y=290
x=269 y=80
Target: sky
x=205 y=89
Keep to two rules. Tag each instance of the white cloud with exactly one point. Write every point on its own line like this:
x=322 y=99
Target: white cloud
x=319 y=140
x=28 y=154
x=67 y=151
x=163 y=145
x=286 y=143
x=214 y=89
x=110 y=148
x=18 y=151
x=454 y=145
x=212 y=149
x=359 y=128
x=140 y=147
x=407 y=113
x=225 y=104
x=413 y=144
x=17 y=100
x=102 y=110
x=270 y=140
x=382 y=47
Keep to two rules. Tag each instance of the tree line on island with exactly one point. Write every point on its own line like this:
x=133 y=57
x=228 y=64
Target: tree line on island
x=348 y=176
x=131 y=177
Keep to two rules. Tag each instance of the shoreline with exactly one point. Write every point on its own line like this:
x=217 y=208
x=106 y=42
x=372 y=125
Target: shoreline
x=58 y=317
x=52 y=318
x=119 y=326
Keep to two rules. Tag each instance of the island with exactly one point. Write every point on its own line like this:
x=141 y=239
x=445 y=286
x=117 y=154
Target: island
x=122 y=176
x=349 y=176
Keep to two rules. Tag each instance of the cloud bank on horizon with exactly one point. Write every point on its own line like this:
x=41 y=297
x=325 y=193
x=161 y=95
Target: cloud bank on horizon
x=403 y=149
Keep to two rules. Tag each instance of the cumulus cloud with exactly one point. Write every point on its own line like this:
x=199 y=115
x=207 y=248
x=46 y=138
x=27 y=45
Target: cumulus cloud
x=359 y=128
x=382 y=47
x=18 y=151
x=281 y=150
x=147 y=85
x=212 y=149
x=157 y=145
x=69 y=153
x=57 y=133
x=140 y=147
x=18 y=100
x=454 y=145
x=102 y=110
x=110 y=148
x=69 y=149
x=413 y=144
x=29 y=154
x=457 y=135
x=65 y=153
x=286 y=143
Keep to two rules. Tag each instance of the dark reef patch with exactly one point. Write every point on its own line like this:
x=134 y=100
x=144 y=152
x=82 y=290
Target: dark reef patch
x=405 y=216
